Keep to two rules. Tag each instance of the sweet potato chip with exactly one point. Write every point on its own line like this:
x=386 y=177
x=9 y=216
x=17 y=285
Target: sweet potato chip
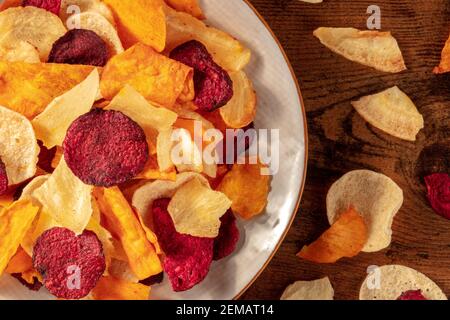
x=15 y=221
x=375 y=49
x=189 y=6
x=28 y=88
x=19 y=150
x=320 y=289
x=140 y=21
x=123 y=223
x=159 y=79
x=5 y=4
x=153 y=172
x=52 y=124
x=72 y=7
x=228 y=52
x=22 y=264
x=196 y=209
x=105 y=238
x=444 y=65
x=18 y=51
x=345 y=238
x=247 y=188
x=393 y=112
x=110 y=288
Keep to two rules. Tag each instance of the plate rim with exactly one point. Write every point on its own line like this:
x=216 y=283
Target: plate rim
x=306 y=158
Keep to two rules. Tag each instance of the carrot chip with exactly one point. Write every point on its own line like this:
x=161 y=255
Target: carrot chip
x=110 y=288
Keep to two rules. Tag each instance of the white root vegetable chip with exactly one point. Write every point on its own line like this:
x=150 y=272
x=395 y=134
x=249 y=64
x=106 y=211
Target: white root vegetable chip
x=320 y=289
x=391 y=281
x=18 y=146
x=375 y=49
x=393 y=112
x=18 y=51
x=375 y=196
x=72 y=7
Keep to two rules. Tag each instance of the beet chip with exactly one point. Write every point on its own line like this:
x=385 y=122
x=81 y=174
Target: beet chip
x=412 y=295
x=226 y=242
x=213 y=85
x=438 y=186
x=3 y=179
x=105 y=148
x=188 y=258
x=70 y=265
x=79 y=46
x=52 y=6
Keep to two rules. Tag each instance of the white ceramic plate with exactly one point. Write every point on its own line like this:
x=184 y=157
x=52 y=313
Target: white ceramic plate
x=280 y=107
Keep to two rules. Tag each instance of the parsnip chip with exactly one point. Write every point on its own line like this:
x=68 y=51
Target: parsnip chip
x=375 y=196
x=20 y=51
x=36 y=183
x=393 y=112
x=320 y=289
x=36 y=26
x=66 y=199
x=189 y=6
x=52 y=124
x=164 y=146
x=240 y=111
x=28 y=88
x=444 y=65
x=159 y=79
x=18 y=146
x=345 y=238
x=110 y=288
x=247 y=188
x=73 y=7
x=228 y=52
x=15 y=221
x=394 y=280
x=122 y=222
x=186 y=154
x=42 y=223
x=196 y=209
x=140 y=21
x=375 y=49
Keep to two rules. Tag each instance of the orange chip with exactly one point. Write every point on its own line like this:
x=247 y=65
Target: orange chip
x=444 y=66
x=140 y=21
x=151 y=172
x=23 y=264
x=28 y=88
x=345 y=238
x=159 y=79
x=189 y=6
x=124 y=224
x=9 y=4
x=110 y=288
x=247 y=188
x=222 y=170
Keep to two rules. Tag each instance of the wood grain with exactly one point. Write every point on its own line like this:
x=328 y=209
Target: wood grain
x=340 y=140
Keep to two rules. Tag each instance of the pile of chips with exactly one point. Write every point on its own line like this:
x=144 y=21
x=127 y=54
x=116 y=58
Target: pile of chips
x=92 y=205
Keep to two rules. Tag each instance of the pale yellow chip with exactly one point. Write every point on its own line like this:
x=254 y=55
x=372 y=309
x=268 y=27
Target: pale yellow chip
x=390 y=281
x=375 y=196
x=66 y=199
x=164 y=146
x=196 y=209
x=22 y=51
x=42 y=223
x=73 y=7
x=393 y=112
x=320 y=289
x=103 y=235
x=186 y=154
x=228 y=52
x=36 y=26
x=375 y=49
x=52 y=124
x=36 y=183
x=120 y=269
x=18 y=146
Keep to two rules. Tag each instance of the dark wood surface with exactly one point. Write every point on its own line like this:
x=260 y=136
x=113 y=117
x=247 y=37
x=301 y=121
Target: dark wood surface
x=340 y=140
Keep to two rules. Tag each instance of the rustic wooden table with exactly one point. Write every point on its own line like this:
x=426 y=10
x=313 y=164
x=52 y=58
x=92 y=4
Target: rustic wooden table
x=340 y=141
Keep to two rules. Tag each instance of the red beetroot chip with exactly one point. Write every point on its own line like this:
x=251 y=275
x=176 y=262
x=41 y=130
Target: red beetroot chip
x=52 y=6
x=412 y=295
x=187 y=258
x=438 y=186
x=3 y=178
x=79 y=46
x=213 y=85
x=70 y=265
x=226 y=242
x=105 y=148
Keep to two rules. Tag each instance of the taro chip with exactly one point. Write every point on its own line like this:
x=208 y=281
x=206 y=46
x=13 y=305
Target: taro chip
x=28 y=88
x=52 y=6
x=444 y=65
x=375 y=49
x=438 y=186
x=18 y=51
x=345 y=238
x=248 y=189
x=189 y=6
x=157 y=78
x=90 y=6
x=110 y=288
x=320 y=289
x=123 y=223
x=226 y=241
x=19 y=150
x=52 y=124
x=141 y=21
x=395 y=281
x=196 y=210
x=393 y=112
x=15 y=221
x=375 y=196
